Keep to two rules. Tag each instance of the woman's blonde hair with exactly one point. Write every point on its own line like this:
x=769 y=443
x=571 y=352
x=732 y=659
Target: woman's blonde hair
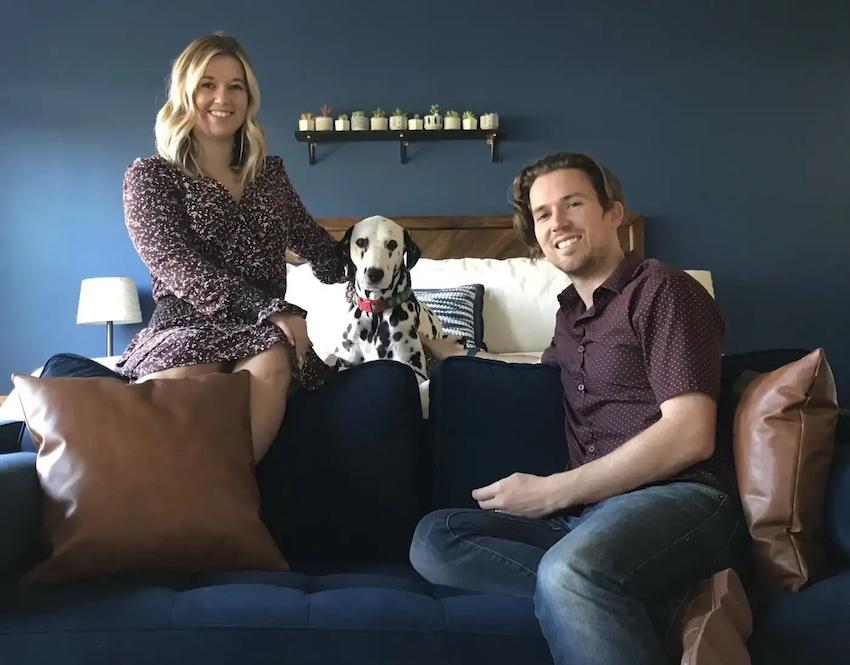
x=176 y=119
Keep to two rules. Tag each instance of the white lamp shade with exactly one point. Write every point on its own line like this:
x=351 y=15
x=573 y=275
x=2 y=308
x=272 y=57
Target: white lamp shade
x=104 y=299
x=704 y=278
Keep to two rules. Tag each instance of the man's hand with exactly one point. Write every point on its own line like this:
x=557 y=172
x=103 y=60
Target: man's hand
x=295 y=329
x=520 y=494
x=444 y=347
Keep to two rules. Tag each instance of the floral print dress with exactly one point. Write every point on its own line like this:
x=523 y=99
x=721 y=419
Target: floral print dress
x=218 y=267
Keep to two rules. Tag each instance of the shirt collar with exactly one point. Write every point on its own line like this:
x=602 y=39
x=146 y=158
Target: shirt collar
x=616 y=281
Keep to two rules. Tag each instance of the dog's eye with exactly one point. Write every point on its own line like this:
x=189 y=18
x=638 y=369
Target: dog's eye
x=391 y=245
x=361 y=243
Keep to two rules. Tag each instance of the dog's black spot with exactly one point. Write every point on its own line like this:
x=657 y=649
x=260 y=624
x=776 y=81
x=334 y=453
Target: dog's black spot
x=389 y=355
x=357 y=313
x=382 y=351
x=416 y=360
x=412 y=333
x=373 y=331
x=346 y=344
x=410 y=306
x=363 y=333
x=433 y=330
x=398 y=314
x=347 y=330
x=397 y=335
x=384 y=334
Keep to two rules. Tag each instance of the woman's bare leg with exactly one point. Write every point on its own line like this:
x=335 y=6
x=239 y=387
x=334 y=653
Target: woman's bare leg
x=271 y=376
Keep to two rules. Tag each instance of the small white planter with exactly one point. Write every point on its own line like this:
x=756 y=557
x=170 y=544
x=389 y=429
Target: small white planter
x=451 y=123
x=342 y=125
x=433 y=121
x=470 y=123
x=324 y=124
x=415 y=123
x=379 y=124
x=398 y=122
x=306 y=125
x=490 y=121
x=358 y=124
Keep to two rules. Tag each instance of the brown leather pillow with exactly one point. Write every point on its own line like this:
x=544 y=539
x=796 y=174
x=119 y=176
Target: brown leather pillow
x=715 y=623
x=784 y=433
x=156 y=475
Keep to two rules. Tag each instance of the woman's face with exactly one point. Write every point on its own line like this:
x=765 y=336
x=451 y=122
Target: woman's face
x=221 y=98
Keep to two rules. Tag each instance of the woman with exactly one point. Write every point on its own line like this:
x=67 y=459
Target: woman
x=211 y=216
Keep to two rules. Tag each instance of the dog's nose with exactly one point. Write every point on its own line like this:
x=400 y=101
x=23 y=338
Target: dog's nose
x=374 y=274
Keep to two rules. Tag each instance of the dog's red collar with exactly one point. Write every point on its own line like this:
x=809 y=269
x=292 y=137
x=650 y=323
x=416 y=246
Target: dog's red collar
x=382 y=304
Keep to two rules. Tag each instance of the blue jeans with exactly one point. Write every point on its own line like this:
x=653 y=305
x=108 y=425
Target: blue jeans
x=607 y=582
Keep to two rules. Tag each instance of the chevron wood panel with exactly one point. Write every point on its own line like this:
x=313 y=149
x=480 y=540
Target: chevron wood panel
x=469 y=236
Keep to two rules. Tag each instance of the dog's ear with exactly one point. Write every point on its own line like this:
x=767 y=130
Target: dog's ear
x=412 y=253
x=343 y=249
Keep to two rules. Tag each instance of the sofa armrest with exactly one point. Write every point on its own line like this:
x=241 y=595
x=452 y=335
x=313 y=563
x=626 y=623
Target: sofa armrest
x=20 y=511
x=490 y=419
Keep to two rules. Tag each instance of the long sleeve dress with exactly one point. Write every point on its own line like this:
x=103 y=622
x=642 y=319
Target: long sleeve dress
x=218 y=267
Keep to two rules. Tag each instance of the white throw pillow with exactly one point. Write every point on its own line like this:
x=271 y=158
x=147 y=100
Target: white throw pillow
x=520 y=297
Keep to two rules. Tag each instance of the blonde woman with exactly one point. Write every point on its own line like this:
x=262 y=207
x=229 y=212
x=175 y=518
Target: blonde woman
x=211 y=216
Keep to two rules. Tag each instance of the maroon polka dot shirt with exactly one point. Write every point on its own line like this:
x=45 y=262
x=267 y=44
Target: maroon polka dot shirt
x=652 y=333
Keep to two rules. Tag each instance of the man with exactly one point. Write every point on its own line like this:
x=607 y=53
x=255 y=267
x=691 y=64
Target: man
x=648 y=506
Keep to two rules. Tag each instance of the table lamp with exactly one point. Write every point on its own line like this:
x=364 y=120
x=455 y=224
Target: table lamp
x=109 y=300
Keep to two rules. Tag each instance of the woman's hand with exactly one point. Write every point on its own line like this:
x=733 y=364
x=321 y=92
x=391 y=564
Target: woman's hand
x=294 y=327
x=444 y=347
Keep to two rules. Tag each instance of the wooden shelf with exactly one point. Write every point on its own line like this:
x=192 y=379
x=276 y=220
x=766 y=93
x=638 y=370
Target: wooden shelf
x=403 y=136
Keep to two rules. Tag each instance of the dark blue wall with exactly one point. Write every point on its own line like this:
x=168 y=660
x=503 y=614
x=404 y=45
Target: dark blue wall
x=729 y=127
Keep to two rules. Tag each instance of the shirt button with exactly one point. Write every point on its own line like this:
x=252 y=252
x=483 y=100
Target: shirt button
x=581 y=349
x=591 y=449
x=581 y=387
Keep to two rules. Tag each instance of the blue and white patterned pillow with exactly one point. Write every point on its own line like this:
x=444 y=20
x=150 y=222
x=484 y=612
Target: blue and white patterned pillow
x=460 y=309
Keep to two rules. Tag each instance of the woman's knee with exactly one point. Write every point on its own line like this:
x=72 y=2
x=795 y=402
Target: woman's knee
x=272 y=364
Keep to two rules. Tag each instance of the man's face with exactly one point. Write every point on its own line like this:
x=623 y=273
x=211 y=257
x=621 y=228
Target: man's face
x=574 y=232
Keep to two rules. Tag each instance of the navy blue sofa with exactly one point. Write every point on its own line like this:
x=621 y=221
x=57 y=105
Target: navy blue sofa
x=352 y=471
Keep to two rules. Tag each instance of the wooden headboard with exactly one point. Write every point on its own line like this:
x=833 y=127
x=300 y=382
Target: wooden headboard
x=481 y=237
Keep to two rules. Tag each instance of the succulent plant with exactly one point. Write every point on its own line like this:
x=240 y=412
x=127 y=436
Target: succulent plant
x=307 y=116
x=326 y=111
x=469 y=115
x=452 y=114
x=358 y=114
x=416 y=116
x=398 y=112
x=435 y=109
x=379 y=113
x=342 y=116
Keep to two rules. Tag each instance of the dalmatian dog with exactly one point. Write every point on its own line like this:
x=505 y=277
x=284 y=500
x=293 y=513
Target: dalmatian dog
x=385 y=320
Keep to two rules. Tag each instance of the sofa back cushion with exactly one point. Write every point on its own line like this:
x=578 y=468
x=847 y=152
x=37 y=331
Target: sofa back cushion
x=152 y=476
x=490 y=419
x=783 y=437
x=346 y=479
